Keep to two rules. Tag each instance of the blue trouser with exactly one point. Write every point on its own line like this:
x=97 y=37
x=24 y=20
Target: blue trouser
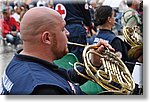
x=13 y=39
x=77 y=35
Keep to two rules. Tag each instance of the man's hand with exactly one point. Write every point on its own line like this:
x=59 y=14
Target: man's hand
x=14 y=33
x=102 y=44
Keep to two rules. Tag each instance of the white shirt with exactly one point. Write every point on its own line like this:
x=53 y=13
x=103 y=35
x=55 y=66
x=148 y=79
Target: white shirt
x=16 y=17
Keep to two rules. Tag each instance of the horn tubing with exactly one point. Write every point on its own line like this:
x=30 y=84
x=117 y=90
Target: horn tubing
x=114 y=70
x=77 y=44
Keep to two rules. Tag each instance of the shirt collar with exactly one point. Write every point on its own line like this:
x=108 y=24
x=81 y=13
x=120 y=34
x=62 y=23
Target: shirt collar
x=27 y=58
x=132 y=9
x=105 y=30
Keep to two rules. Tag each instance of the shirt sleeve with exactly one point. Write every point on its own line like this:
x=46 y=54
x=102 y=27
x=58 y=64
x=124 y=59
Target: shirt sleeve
x=77 y=78
x=48 y=90
x=5 y=29
x=15 y=23
x=119 y=46
x=131 y=18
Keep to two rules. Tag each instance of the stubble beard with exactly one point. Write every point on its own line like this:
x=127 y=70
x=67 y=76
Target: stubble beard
x=58 y=54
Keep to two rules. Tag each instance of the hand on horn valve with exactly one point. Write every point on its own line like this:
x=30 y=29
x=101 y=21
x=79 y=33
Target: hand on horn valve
x=101 y=45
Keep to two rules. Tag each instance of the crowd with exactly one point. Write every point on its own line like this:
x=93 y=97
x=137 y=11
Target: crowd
x=45 y=26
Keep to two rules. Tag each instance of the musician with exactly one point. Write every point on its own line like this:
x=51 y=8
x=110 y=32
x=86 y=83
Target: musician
x=131 y=17
x=105 y=21
x=32 y=71
x=77 y=15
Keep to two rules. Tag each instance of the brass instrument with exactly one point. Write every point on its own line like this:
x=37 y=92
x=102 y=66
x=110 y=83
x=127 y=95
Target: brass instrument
x=112 y=75
x=134 y=38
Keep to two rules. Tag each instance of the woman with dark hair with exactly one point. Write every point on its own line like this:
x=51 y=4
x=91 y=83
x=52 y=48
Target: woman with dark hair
x=105 y=20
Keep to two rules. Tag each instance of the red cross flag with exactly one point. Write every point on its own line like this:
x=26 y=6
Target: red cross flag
x=61 y=9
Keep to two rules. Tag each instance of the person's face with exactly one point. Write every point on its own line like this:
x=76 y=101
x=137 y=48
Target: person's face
x=18 y=10
x=137 y=3
x=7 y=15
x=60 y=40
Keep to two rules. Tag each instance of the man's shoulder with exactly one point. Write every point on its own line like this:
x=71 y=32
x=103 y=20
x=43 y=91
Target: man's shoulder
x=129 y=12
x=12 y=18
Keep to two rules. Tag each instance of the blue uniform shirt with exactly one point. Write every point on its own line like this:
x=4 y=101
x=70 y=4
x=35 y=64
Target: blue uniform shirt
x=114 y=41
x=25 y=73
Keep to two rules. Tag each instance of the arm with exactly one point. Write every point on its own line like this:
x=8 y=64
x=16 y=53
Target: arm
x=5 y=29
x=77 y=78
x=16 y=24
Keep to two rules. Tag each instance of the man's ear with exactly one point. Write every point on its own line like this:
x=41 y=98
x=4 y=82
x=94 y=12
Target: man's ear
x=109 y=19
x=46 y=37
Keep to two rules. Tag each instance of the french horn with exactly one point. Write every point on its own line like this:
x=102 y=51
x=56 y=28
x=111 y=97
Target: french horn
x=112 y=75
x=134 y=38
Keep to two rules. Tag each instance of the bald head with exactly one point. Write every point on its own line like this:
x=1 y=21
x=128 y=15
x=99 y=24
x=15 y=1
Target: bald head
x=37 y=20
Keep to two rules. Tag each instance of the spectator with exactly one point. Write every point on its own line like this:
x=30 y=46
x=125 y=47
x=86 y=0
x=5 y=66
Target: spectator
x=17 y=13
x=10 y=28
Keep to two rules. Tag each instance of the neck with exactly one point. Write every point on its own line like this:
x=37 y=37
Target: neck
x=106 y=26
x=133 y=7
x=38 y=52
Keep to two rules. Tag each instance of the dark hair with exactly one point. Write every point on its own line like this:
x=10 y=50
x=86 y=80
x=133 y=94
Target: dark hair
x=129 y=3
x=101 y=14
x=41 y=5
x=5 y=9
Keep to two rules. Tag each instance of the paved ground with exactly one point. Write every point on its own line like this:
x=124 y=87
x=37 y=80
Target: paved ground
x=6 y=53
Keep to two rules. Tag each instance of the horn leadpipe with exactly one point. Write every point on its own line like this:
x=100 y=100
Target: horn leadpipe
x=77 y=44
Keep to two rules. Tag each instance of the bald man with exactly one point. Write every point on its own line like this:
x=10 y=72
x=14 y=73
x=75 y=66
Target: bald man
x=31 y=70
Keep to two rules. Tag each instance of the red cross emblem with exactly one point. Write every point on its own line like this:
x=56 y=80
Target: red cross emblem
x=61 y=9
